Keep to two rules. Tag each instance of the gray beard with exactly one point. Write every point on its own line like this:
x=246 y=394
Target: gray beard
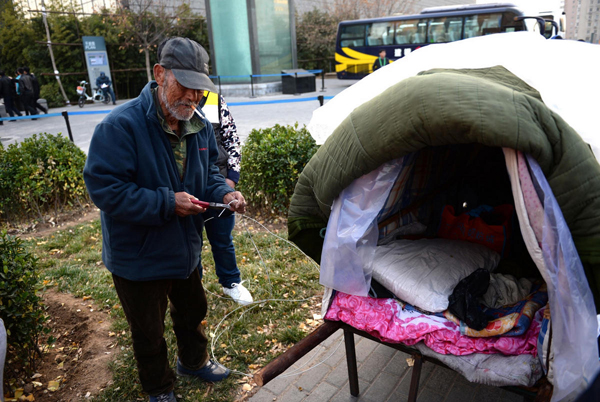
x=172 y=108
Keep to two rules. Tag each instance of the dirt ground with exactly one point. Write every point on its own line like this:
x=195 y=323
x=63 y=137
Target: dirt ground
x=75 y=367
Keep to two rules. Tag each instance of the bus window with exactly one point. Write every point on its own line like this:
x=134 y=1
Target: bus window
x=421 y=35
x=353 y=35
x=482 y=24
x=510 y=25
x=380 y=33
x=446 y=29
x=406 y=31
x=454 y=28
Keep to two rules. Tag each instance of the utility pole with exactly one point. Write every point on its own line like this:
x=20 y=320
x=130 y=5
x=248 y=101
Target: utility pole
x=52 y=54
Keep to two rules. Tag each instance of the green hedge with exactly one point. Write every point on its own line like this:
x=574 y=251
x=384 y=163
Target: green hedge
x=41 y=175
x=20 y=306
x=272 y=160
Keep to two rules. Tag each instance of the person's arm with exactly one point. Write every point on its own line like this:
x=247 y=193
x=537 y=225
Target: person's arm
x=109 y=175
x=231 y=142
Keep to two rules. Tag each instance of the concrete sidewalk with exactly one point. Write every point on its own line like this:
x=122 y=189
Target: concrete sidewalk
x=247 y=117
x=384 y=376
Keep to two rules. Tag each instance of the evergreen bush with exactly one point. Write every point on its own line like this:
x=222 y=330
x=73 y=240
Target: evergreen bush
x=272 y=160
x=41 y=175
x=20 y=306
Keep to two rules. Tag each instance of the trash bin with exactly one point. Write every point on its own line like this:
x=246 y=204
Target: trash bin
x=298 y=82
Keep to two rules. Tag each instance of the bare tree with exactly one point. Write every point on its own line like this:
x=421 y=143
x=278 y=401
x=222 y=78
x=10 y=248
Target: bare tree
x=144 y=24
x=354 y=9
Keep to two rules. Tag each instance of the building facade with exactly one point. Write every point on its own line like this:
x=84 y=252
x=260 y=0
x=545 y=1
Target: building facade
x=583 y=20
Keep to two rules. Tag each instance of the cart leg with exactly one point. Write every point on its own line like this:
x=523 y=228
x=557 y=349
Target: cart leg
x=414 y=381
x=351 y=360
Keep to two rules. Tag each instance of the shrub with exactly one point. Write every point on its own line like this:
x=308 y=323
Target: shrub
x=20 y=306
x=51 y=93
x=42 y=174
x=272 y=160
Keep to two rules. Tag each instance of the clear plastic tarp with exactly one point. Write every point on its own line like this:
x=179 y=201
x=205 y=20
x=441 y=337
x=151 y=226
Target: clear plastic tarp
x=574 y=322
x=352 y=233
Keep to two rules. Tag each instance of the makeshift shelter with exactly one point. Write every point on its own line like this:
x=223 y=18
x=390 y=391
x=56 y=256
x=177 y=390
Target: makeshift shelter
x=463 y=138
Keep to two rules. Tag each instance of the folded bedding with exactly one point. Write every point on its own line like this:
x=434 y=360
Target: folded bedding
x=425 y=272
x=393 y=321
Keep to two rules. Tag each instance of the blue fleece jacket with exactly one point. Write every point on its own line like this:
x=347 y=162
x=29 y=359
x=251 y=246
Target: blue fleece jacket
x=131 y=175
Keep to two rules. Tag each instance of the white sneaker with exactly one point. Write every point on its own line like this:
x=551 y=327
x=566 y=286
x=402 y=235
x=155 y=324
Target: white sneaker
x=239 y=293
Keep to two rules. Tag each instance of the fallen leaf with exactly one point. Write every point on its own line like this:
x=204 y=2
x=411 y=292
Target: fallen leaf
x=247 y=387
x=53 y=386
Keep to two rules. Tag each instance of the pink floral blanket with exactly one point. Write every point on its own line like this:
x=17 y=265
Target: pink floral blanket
x=394 y=322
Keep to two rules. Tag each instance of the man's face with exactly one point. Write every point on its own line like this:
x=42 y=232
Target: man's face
x=177 y=99
x=382 y=53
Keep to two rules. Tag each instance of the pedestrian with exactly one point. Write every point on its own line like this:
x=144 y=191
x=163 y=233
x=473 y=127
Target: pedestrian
x=8 y=93
x=36 y=90
x=381 y=61
x=218 y=229
x=148 y=160
x=25 y=91
x=103 y=82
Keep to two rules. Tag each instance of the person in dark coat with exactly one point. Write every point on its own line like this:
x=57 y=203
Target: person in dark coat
x=25 y=91
x=104 y=80
x=381 y=61
x=7 y=92
x=36 y=90
x=150 y=162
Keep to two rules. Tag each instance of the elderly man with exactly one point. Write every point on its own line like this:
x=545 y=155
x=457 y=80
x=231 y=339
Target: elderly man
x=148 y=160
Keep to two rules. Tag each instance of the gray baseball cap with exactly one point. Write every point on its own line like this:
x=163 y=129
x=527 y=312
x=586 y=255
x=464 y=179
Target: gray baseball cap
x=189 y=62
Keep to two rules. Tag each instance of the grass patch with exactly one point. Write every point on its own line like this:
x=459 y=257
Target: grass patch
x=244 y=339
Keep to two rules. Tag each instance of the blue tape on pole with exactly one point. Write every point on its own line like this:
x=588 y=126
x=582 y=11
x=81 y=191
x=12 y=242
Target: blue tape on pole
x=267 y=75
x=43 y=116
x=277 y=101
x=91 y=112
x=36 y=116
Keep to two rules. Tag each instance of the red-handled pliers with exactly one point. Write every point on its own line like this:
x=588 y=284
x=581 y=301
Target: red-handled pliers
x=213 y=205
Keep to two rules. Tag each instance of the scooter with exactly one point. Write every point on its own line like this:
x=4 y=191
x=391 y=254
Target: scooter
x=97 y=97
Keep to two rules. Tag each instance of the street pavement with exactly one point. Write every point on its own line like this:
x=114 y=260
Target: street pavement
x=321 y=375
x=383 y=376
x=247 y=117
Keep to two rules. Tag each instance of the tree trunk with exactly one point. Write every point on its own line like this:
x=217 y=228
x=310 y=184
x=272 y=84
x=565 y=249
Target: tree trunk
x=148 y=69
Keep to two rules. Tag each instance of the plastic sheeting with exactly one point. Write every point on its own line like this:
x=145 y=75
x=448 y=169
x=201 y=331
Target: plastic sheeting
x=574 y=324
x=561 y=70
x=352 y=233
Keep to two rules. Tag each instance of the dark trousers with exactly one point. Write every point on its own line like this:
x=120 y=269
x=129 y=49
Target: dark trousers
x=28 y=102
x=145 y=305
x=10 y=107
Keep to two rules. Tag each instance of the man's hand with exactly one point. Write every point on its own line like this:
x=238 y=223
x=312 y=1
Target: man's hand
x=184 y=207
x=238 y=206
